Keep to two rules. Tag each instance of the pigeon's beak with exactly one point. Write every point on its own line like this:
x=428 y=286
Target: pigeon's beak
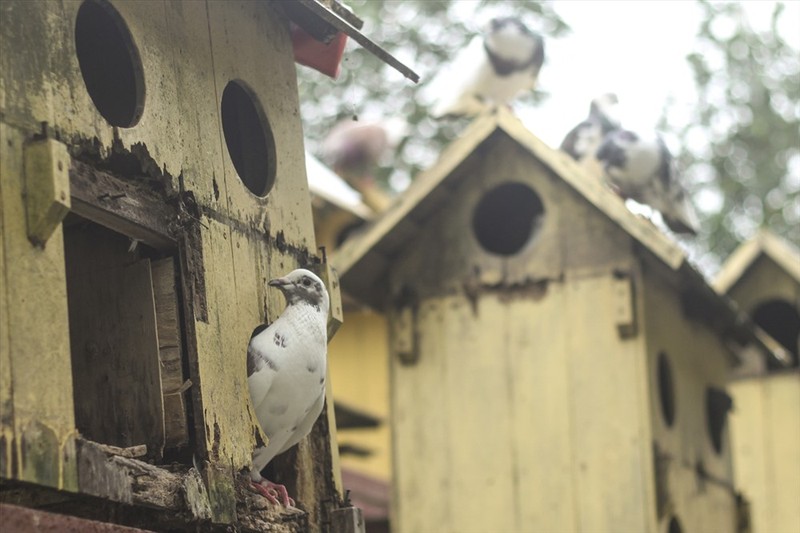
x=279 y=282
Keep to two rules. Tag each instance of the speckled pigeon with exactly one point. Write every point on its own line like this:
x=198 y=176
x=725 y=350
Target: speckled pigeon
x=492 y=70
x=639 y=166
x=584 y=139
x=286 y=365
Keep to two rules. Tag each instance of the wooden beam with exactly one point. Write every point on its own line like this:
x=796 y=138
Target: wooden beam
x=17 y=518
x=122 y=206
x=46 y=187
x=334 y=18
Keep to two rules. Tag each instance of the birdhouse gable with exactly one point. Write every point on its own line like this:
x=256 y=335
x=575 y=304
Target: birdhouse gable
x=763 y=277
x=432 y=187
x=510 y=226
x=569 y=222
x=743 y=260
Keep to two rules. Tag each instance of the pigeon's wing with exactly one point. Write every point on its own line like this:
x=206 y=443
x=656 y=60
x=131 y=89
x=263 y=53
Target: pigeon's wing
x=261 y=367
x=583 y=140
x=304 y=427
x=259 y=329
x=570 y=142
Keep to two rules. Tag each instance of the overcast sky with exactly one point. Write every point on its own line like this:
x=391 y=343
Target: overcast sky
x=636 y=49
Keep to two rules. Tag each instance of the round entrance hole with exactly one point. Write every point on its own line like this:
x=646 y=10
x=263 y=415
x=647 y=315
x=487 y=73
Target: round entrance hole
x=110 y=63
x=507 y=218
x=249 y=138
x=674 y=525
x=718 y=403
x=666 y=389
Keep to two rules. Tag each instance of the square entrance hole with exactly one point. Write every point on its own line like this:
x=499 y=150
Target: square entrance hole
x=126 y=341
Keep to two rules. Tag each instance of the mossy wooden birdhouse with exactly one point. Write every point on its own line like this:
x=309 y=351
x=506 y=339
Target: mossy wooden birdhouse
x=556 y=362
x=152 y=179
x=763 y=277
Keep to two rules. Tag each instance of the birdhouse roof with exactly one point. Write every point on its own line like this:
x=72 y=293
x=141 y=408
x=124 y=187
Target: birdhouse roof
x=323 y=19
x=328 y=186
x=365 y=257
x=764 y=244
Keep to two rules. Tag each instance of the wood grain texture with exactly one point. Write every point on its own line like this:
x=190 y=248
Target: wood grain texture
x=506 y=406
x=35 y=360
x=125 y=207
x=114 y=341
x=46 y=187
x=170 y=350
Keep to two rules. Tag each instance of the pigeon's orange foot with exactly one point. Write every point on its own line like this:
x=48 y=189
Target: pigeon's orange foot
x=272 y=492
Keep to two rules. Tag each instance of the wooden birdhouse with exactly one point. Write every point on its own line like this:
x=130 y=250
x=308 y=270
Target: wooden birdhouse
x=556 y=362
x=152 y=179
x=763 y=277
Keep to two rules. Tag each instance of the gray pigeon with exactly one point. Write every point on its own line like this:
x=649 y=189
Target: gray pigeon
x=286 y=366
x=640 y=167
x=584 y=139
x=493 y=70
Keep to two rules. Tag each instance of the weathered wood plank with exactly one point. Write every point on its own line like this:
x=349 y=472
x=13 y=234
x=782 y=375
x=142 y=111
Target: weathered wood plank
x=114 y=342
x=22 y=519
x=37 y=361
x=765 y=433
x=6 y=400
x=347 y=520
x=123 y=206
x=176 y=430
x=611 y=461
x=538 y=381
x=135 y=482
x=421 y=436
x=46 y=187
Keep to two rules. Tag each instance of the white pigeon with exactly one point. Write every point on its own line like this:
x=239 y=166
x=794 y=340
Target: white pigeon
x=640 y=167
x=584 y=139
x=286 y=365
x=493 y=70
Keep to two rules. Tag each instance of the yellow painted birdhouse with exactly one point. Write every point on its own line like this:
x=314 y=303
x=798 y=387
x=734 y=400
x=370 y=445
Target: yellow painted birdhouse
x=358 y=359
x=556 y=363
x=152 y=179
x=763 y=277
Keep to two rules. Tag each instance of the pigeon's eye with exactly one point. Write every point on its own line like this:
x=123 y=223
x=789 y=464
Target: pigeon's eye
x=306 y=282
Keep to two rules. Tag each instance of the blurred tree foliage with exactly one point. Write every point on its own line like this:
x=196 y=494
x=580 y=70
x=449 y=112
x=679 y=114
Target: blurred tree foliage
x=424 y=34
x=741 y=142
